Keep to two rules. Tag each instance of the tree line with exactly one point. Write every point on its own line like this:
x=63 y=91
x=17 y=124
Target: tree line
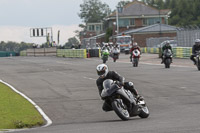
x=14 y=46
x=17 y=47
x=183 y=12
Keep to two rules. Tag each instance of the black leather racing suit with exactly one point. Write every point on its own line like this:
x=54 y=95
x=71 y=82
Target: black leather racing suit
x=163 y=49
x=116 y=77
x=195 y=48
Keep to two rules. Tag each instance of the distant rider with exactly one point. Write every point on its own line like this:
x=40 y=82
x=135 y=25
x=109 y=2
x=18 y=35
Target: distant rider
x=105 y=47
x=104 y=73
x=134 y=47
x=166 y=46
x=115 y=50
x=195 y=49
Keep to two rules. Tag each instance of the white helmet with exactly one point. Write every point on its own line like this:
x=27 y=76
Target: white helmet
x=168 y=42
x=135 y=44
x=102 y=70
x=197 y=40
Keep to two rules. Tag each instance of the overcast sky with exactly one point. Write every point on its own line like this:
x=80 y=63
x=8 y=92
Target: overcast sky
x=18 y=16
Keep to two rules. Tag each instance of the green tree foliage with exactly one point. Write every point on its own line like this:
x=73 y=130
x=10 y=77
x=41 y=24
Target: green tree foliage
x=93 y=11
x=123 y=3
x=183 y=12
x=109 y=33
x=14 y=46
x=72 y=41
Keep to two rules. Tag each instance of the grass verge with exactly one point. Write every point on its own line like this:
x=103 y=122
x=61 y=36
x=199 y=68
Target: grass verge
x=16 y=112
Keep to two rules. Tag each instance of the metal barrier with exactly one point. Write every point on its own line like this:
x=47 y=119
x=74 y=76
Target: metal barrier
x=77 y=53
x=94 y=52
x=178 y=52
x=182 y=52
x=23 y=53
x=39 y=52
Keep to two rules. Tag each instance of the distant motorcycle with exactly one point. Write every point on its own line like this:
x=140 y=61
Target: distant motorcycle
x=105 y=54
x=197 y=58
x=122 y=101
x=115 y=54
x=167 y=56
x=135 y=57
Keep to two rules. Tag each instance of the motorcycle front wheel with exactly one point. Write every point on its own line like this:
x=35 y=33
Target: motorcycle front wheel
x=105 y=59
x=135 y=62
x=198 y=64
x=120 y=109
x=167 y=63
x=144 y=111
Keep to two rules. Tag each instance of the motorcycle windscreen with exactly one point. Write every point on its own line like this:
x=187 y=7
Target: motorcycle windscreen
x=167 y=52
x=109 y=88
x=136 y=52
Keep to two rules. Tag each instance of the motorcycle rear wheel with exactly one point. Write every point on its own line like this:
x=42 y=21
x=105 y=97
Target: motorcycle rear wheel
x=120 y=109
x=135 y=62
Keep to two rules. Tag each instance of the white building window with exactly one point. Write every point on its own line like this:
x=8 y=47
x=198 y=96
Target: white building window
x=132 y=21
x=150 y=21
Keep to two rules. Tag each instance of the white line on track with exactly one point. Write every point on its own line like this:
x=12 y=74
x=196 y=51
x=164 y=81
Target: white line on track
x=157 y=64
x=66 y=63
x=49 y=122
x=89 y=78
x=145 y=63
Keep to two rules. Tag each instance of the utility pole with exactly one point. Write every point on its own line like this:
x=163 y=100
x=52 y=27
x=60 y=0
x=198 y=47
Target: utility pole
x=119 y=10
x=117 y=17
x=160 y=20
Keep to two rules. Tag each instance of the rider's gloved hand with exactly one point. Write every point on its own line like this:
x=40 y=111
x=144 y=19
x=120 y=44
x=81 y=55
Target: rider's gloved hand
x=139 y=98
x=102 y=98
x=119 y=83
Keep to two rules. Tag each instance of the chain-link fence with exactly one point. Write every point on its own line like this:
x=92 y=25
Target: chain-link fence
x=155 y=42
x=89 y=43
x=185 y=37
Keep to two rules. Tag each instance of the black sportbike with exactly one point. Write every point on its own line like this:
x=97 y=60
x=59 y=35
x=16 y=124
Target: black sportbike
x=197 y=58
x=167 y=56
x=122 y=101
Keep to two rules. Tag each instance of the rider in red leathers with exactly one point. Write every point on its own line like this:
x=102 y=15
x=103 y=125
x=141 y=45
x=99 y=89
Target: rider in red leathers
x=134 y=46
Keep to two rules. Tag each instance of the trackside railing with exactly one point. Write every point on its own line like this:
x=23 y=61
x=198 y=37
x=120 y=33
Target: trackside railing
x=178 y=52
x=77 y=53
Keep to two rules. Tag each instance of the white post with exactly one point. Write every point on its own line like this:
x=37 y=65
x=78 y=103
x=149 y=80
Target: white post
x=117 y=17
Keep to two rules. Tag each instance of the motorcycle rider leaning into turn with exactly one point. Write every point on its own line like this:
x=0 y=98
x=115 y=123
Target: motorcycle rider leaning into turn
x=195 y=49
x=134 y=46
x=104 y=73
x=166 y=46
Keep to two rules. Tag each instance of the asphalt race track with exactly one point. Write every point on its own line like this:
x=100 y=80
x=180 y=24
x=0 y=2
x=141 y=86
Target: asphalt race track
x=65 y=88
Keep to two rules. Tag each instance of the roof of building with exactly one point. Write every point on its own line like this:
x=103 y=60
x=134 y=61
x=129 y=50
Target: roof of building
x=152 y=28
x=97 y=36
x=137 y=8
